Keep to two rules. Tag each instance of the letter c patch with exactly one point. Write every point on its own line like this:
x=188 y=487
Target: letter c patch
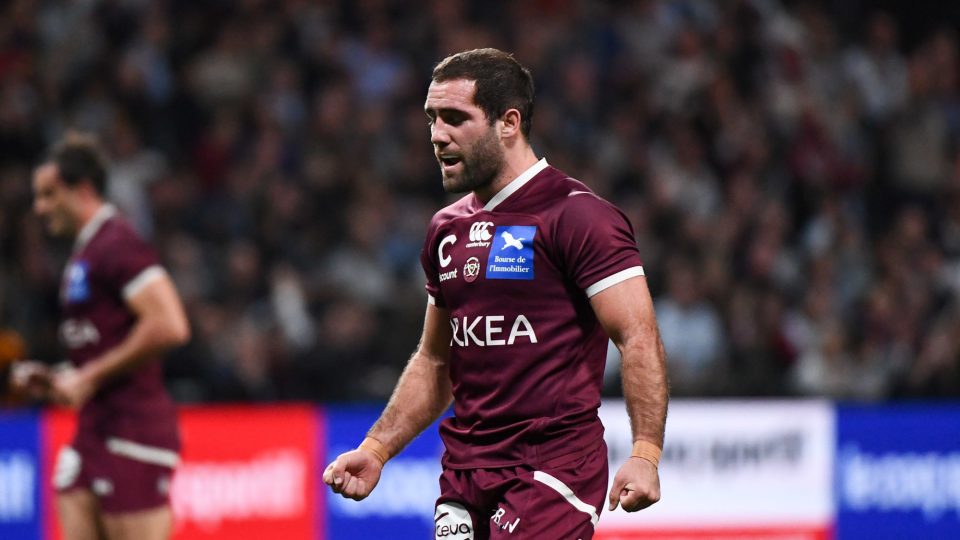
x=445 y=259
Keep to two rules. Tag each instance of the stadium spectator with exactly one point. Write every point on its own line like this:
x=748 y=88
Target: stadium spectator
x=692 y=333
x=12 y=348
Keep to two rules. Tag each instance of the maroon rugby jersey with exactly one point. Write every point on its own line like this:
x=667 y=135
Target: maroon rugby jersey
x=527 y=353
x=110 y=263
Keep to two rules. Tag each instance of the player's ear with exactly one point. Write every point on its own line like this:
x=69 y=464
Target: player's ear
x=86 y=189
x=510 y=123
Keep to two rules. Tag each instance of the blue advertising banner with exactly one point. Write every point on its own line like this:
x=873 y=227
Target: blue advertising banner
x=20 y=516
x=898 y=472
x=402 y=504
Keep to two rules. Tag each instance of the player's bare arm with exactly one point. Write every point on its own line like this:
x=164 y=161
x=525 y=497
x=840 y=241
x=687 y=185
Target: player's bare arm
x=161 y=325
x=626 y=313
x=420 y=397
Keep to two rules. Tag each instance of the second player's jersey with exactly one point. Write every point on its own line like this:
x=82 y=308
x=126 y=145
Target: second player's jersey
x=527 y=354
x=109 y=264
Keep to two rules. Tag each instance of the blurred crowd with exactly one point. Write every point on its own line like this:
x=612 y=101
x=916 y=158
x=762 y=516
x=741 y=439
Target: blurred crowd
x=792 y=170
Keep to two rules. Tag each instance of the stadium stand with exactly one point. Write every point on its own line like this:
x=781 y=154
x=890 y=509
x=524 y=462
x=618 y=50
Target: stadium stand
x=791 y=168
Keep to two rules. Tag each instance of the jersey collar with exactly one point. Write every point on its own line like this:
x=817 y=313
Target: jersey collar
x=516 y=184
x=89 y=230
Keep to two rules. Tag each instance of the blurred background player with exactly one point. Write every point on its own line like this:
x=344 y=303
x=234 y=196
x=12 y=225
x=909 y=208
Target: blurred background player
x=527 y=275
x=120 y=310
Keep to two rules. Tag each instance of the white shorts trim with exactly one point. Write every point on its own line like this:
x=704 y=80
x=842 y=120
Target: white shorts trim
x=567 y=493
x=143 y=279
x=431 y=300
x=143 y=453
x=610 y=281
x=67 y=468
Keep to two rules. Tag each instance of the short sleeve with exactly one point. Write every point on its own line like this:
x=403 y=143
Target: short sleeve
x=595 y=243
x=429 y=263
x=131 y=264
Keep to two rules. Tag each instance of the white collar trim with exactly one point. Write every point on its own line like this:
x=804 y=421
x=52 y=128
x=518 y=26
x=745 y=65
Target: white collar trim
x=89 y=230
x=516 y=184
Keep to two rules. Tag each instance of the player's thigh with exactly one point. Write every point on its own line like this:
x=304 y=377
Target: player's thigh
x=77 y=506
x=152 y=524
x=560 y=502
x=77 y=512
x=457 y=515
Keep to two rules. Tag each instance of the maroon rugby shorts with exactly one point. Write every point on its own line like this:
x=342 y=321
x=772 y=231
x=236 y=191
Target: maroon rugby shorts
x=560 y=501
x=126 y=476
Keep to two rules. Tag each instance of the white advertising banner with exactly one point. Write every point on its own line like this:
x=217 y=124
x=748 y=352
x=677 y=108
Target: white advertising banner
x=744 y=469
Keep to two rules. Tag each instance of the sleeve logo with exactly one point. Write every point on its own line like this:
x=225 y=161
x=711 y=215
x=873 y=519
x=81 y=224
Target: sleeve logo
x=511 y=255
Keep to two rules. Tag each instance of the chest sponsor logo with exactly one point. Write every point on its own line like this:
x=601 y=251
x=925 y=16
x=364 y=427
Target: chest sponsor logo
x=480 y=234
x=490 y=331
x=444 y=258
x=471 y=269
x=511 y=255
x=77 y=282
x=78 y=333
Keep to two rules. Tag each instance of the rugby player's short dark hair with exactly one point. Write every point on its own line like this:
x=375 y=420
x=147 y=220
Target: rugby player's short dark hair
x=79 y=157
x=502 y=83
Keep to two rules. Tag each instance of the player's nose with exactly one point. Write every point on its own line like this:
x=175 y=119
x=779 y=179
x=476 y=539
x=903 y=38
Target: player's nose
x=439 y=136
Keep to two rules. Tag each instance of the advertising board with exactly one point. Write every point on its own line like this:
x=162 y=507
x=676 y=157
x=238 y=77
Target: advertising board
x=898 y=472
x=732 y=469
x=402 y=505
x=20 y=509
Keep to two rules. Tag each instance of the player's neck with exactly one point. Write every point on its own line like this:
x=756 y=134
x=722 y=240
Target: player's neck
x=515 y=163
x=86 y=211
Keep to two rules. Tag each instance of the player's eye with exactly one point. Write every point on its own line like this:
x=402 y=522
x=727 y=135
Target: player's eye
x=454 y=119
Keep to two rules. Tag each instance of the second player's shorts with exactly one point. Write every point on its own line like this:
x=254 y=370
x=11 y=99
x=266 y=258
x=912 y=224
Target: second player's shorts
x=124 y=475
x=560 y=501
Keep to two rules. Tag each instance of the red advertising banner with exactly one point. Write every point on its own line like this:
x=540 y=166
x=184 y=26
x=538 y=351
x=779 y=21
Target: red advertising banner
x=245 y=472
x=57 y=427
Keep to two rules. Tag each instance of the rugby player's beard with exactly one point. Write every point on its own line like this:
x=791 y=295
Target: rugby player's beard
x=480 y=165
x=61 y=224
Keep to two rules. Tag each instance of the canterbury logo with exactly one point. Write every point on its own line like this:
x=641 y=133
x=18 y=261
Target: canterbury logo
x=479 y=232
x=510 y=241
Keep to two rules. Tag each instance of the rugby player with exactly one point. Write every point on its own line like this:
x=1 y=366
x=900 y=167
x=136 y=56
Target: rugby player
x=120 y=311
x=527 y=276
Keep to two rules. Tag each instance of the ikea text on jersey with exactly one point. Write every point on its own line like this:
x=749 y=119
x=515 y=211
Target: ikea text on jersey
x=489 y=330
